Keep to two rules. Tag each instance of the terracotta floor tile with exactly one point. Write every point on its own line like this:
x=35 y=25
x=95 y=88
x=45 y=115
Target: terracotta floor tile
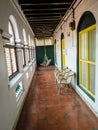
x=49 y=111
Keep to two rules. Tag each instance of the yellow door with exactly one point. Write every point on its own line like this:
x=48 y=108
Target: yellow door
x=63 y=54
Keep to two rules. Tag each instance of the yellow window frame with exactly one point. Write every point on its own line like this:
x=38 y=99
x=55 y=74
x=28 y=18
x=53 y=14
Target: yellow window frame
x=63 y=54
x=86 y=61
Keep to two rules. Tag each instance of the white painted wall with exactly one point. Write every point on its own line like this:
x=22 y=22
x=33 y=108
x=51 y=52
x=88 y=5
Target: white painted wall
x=58 y=53
x=9 y=108
x=71 y=45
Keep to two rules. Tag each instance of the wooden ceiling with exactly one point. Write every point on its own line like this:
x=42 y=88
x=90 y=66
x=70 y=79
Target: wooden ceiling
x=44 y=15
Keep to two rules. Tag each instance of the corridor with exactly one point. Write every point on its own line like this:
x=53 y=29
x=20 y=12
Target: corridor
x=44 y=109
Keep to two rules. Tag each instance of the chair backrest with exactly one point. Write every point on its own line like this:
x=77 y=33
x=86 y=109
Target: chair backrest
x=68 y=81
x=67 y=70
x=66 y=67
x=70 y=75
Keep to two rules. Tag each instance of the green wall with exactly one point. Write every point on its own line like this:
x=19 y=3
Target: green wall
x=40 y=52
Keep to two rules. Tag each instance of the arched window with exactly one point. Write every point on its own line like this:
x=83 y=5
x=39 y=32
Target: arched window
x=11 y=31
x=23 y=50
x=10 y=52
x=87 y=53
x=24 y=37
x=29 y=48
x=32 y=48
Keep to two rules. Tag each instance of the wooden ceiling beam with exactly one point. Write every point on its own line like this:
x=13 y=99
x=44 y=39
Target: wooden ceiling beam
x=45 y=13
x=44 y=22
x=48 y=19
x=47 y=9
x=43 y=17
x=41 y=4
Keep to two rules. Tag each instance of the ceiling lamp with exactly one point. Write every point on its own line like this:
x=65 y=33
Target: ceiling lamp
x=72 y=23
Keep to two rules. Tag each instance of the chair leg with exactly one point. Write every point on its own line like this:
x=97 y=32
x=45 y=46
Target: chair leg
x=56 y=85
x=59 y=89
x=69 y=85
x=65 y=87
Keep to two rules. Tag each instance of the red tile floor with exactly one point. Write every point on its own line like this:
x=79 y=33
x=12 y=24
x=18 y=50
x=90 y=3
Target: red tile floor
x=44 y=109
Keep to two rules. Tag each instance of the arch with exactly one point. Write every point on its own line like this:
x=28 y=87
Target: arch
x=62 y=35
x=86 y=20
x=15 y=27
x=11 y=54
x=86 y=52
x=55 y=41
x=11 y=31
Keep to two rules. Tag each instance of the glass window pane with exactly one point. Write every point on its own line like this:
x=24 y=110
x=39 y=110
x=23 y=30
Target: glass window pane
x=83 y=42
x=84 y=74
x=92 y=45
x=33 y=53
x=13 y=60
x=92 y=78
x=8 y=60
x=87 y=43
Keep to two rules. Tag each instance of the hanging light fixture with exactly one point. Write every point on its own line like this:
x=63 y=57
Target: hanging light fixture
x=72 y=23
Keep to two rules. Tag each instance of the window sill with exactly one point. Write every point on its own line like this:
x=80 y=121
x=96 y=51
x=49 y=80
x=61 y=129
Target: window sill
x=13 y=82
x=32 y=61
x=25 y=69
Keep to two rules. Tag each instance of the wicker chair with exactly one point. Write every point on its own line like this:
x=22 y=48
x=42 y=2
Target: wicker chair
x=64 y=81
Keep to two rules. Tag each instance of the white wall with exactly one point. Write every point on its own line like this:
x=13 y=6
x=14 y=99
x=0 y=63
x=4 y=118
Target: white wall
x=58 y=53
x=9 y=107
x=71 y=45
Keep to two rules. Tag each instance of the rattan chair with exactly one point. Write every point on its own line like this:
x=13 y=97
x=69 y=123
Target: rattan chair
x=64 y=81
